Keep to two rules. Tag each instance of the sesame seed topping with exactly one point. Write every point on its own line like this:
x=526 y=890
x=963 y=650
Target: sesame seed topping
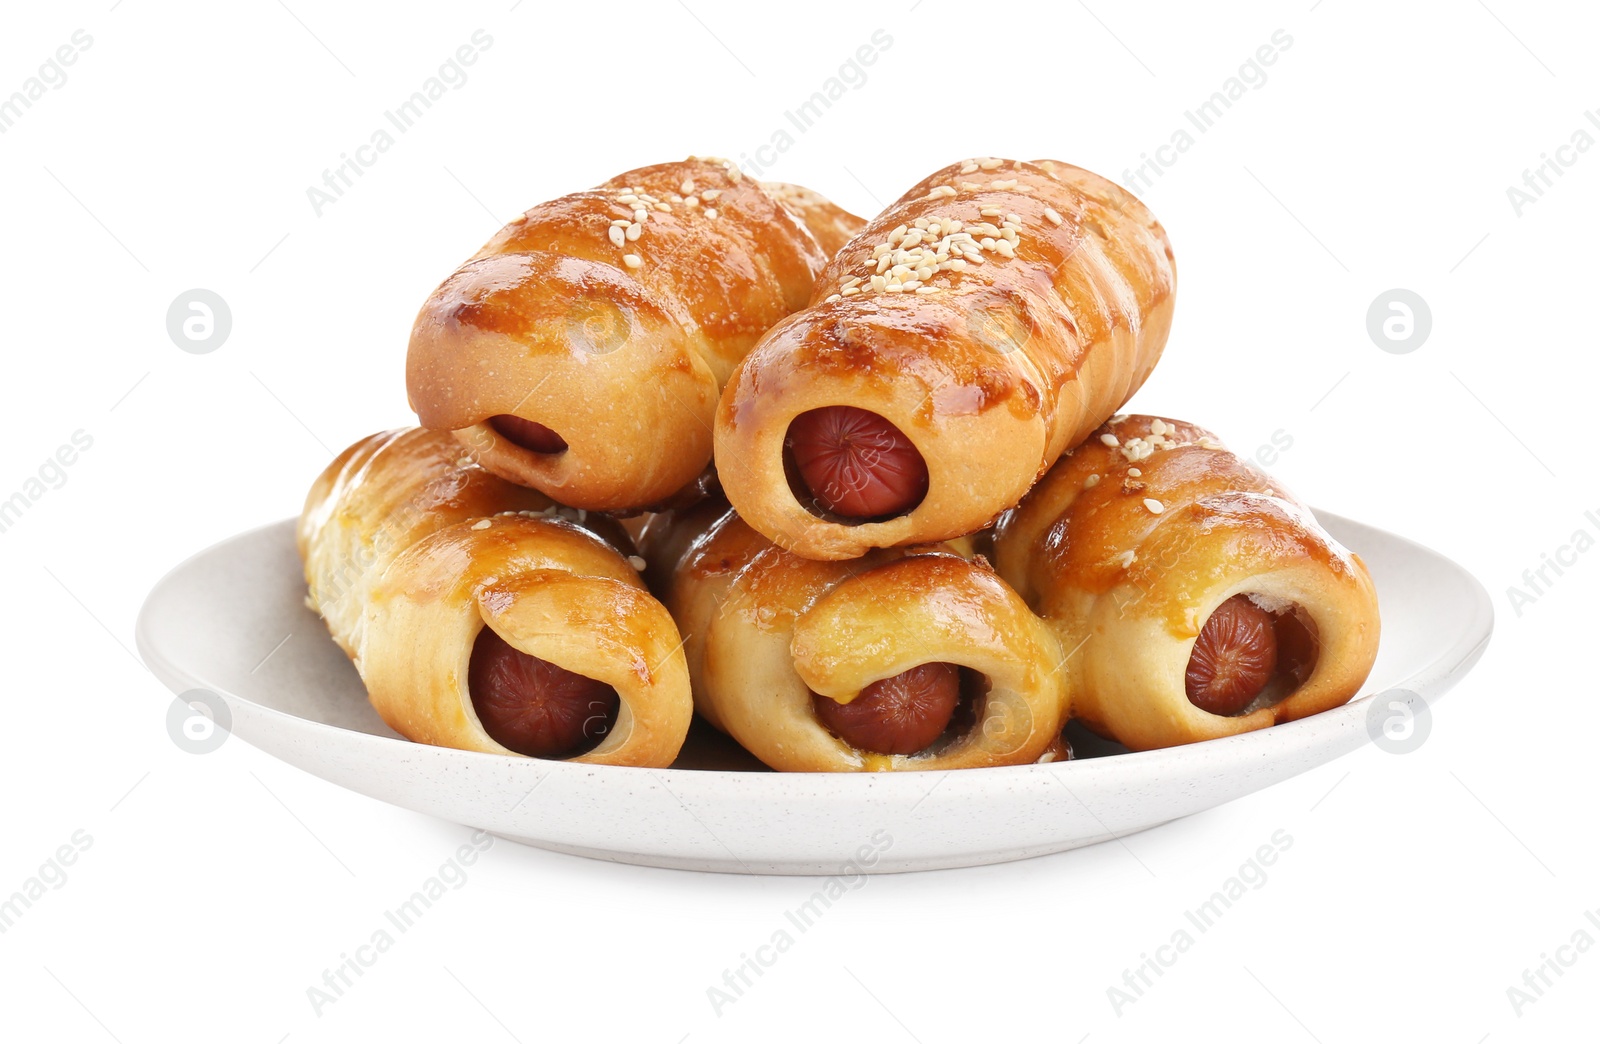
x=1091 y=482
x=830 y=299
x=1155 y=507
x=1158 y=426
x=632 y=231
x=616 y=235
x=710 y=194
x=711 y=212
x=1127 y=558
x=991 y=163
x=632 y=260
x=482 y=523
x=637 y=562
x=520 y=219
x=1135 y=473
x=1005 y=186
x=1110 y=440
x=1051 y=216
x=687 y=186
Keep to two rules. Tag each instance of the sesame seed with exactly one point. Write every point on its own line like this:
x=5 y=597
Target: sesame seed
x=691 y=201
x=633 y=230
x=520 y=219
x=1091 y=482
x=1051 y=216
x=1127 y=558
x=710 y=194
x=991 y=163
x=616 y=235
x=482 y=523
x=630 y=199
x=830 y=299
x=1110 y=440
x=927 y=290
x=663 y=208
x=850 y=290
x=637 y=562
x=1135 y=473
x=632 y=260
x=1005 y=185
x=687 y=186
x=1158 y=426
x=1155 y=507
x=1005 y=248
x=969 y=167
x=641 y=215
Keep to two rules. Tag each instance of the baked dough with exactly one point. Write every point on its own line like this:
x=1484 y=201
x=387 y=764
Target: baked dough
x=767 y=629
x=992 y=347
x=411 y=550
x=1135 y=539
x=610 y=318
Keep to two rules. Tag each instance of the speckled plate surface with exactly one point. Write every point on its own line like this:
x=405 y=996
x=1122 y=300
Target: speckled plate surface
x=213 y=621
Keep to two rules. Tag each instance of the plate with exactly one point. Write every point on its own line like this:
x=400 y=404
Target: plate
x=233 y=620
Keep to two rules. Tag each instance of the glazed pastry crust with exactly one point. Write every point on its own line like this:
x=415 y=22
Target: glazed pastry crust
x=1128 y=590
x=992 y=371
x=767 y=628
x=411 y=549
x=621 y=348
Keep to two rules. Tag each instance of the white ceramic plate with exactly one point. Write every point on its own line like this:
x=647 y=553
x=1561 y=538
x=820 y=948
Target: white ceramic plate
x=213 y=621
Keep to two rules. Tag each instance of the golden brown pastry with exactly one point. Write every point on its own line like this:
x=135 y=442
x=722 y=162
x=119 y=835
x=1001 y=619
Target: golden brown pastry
x=1194 y=596
x=830 y=223
x=952 y=351
x=581 y=351
x=904 y=659
x=482 y=617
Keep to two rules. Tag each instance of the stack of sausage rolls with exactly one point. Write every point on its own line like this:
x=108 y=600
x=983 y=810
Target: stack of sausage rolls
x=855 y=493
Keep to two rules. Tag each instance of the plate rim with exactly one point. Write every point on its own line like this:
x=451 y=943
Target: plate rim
x=1430 y=682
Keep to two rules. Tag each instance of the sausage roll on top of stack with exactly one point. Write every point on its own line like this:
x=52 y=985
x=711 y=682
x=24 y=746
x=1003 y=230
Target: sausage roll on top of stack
x=970 y=334
x=582 y=350
x=902 y=660
x=483 y=617
x=1196 y=596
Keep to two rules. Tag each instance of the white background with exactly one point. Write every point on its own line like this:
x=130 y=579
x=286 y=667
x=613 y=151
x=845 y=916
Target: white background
x=1376 y=155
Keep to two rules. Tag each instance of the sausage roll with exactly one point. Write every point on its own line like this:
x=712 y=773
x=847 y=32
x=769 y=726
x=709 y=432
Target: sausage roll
x=581 y=351
x=1194 y=596
x=952 y=351
x=483 y=617
x=905 y=659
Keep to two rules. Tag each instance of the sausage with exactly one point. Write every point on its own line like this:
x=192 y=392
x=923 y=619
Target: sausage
x=901 y=714
x=533 y=706
x=1234 y=658
x=527 y=434
x=856 y=463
